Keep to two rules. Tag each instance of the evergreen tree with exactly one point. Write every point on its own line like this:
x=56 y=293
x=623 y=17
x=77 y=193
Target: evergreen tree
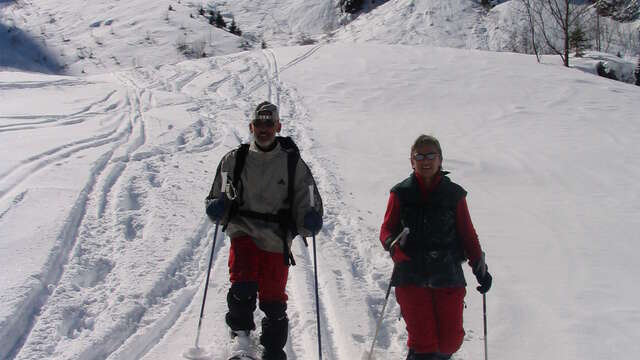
x=578 y=41
x=220 y=23
x=201 y=12
x=234 y=29
x=351 y=6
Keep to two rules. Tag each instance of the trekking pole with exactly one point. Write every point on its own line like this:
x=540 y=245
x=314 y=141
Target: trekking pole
x=484 y=313
x=315 y=274
x=213 y=247
x=379 y=322
x=402 y=235
x=206 y=284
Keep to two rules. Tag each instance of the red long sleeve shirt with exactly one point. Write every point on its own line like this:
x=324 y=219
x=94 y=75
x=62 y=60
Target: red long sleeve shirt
x=464 y=226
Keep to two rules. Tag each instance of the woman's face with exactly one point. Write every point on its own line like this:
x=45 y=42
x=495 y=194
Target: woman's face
x=426 y=161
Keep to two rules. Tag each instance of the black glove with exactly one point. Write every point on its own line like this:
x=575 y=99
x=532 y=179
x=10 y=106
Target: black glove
x=216 y=208
x=387 y=245
x=390 y=246
x=313 y=221
x=481 y=271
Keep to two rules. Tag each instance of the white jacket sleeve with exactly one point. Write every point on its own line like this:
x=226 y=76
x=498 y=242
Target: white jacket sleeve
x=302 y=201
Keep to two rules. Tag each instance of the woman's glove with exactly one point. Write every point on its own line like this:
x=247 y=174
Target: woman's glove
x=481 y=271
x=395 y=249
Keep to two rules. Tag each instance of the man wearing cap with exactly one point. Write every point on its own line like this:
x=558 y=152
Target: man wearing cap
x=268 y=202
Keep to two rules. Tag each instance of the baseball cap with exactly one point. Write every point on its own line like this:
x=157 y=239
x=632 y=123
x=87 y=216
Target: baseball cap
x=266 y=111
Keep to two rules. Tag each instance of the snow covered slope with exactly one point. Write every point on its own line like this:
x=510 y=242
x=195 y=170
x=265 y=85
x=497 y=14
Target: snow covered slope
x=83 y=37
x=282 y=22
x=452 y=23
x=97 y=37
x=77 y=37
x=104 y=243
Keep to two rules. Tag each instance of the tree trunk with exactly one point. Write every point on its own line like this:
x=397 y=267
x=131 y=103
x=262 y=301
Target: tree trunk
x=566 y=33
x=598 y=46
x=532 y=27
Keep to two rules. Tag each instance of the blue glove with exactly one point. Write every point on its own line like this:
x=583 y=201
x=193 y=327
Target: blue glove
x=216 y=208
x=313 y=221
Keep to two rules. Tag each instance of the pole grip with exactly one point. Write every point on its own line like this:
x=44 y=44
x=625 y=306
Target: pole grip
x=312 y=198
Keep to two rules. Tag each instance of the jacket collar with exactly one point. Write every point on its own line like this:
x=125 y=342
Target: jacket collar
x=255 y=150
x=424 y=189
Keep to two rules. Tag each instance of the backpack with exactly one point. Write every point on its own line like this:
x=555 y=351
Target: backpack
x=284 y=216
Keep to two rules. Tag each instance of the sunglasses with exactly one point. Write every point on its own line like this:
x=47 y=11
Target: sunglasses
x=427 y=156
x=264 y=123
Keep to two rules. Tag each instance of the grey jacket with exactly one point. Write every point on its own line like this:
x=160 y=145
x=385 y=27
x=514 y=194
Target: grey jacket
x=264 y=182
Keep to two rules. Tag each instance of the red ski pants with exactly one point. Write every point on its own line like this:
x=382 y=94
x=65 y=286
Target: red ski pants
x=433 y=318
x=248 y=263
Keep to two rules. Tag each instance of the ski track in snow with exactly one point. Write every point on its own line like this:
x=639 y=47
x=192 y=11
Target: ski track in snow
x=128 y=134
x=88 y=293
x=265 y=77
x=335 y=242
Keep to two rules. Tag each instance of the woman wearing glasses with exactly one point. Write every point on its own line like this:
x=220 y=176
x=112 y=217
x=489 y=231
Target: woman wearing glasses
x=428 y=275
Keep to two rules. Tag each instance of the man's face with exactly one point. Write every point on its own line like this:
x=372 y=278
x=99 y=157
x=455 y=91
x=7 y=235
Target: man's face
x=264 y=131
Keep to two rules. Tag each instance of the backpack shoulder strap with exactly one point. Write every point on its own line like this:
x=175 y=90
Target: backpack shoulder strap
x=241 y=157
x=293 y=155
x=287 y=144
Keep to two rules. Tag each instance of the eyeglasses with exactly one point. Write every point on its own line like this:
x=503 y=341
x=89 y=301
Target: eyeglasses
x=427 y=156
x=264 y=123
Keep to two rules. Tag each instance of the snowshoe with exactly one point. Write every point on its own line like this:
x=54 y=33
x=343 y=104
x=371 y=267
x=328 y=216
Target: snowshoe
x=241 y=347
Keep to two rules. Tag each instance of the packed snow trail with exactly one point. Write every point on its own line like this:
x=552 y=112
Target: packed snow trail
x=101 y=291
x=335 y=242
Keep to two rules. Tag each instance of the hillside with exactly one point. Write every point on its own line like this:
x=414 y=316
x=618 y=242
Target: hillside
x=87 y=37
x=62 y=37
x=454 y=23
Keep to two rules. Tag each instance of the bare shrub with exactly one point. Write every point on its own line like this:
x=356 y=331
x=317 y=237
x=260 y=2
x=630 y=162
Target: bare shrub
x=304 y=39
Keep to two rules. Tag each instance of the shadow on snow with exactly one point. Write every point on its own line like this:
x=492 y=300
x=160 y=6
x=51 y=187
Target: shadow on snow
x=23 y=52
